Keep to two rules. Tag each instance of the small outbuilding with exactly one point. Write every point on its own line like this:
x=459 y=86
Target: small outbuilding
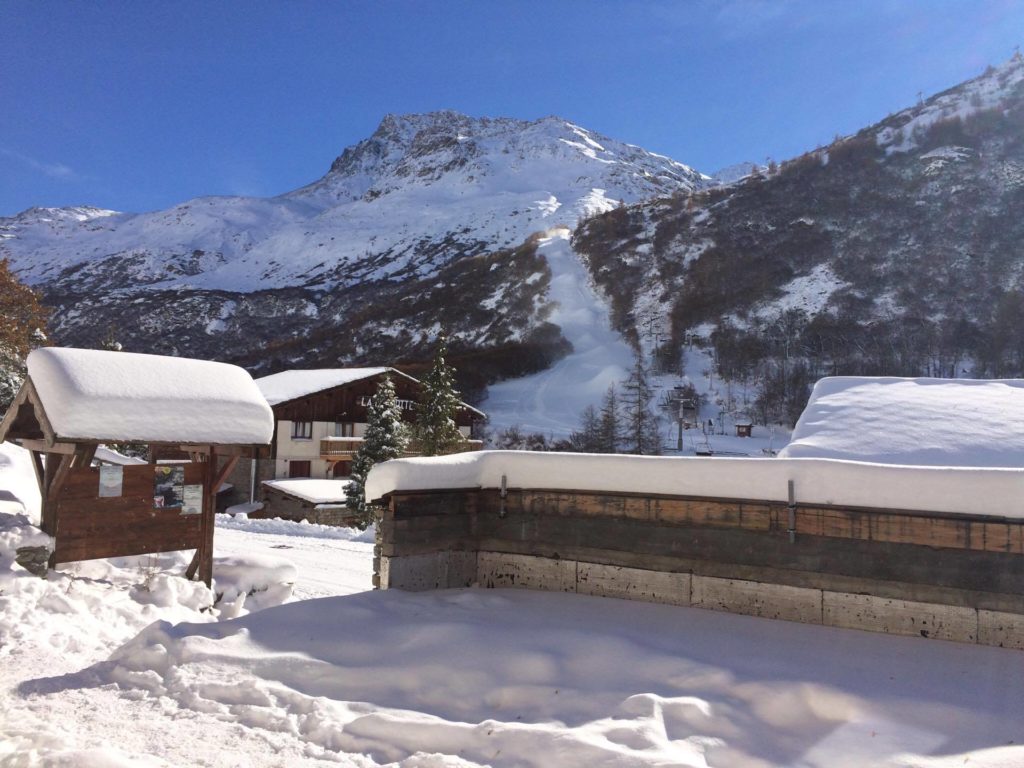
x=744 y=425
x=199 y=416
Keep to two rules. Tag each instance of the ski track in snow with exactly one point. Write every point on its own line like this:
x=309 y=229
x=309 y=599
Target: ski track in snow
x=550 y=402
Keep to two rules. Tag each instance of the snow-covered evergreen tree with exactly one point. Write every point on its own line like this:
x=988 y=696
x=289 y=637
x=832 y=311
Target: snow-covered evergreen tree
x=385 y=438
x=436 y=432
x=22 y=327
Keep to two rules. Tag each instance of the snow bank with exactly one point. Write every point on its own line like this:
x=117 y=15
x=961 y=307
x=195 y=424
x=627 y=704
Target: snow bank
x=924 y=421
x=979 y=491
x=99 y=395
x=288 y=385
x=251 y=581
x=523 y=679
x=19 y=489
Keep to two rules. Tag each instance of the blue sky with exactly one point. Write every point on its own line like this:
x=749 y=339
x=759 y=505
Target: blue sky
x=137 y=106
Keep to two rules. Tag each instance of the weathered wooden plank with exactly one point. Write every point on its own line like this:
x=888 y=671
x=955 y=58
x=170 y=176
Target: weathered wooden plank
x=72 y=551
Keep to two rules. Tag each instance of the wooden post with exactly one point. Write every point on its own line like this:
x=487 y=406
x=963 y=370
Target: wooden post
x=209 y=503
x=37 y=466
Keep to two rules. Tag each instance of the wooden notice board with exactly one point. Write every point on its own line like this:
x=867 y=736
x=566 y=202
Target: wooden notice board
x=93 y=526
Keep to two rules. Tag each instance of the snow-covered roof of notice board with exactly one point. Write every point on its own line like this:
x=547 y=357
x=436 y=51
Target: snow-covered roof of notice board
x=92 y=394
x=927 y=422
x=289 y=385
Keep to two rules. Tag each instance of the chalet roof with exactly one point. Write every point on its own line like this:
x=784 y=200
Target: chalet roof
x=924 y=421
x=95 y=395
x=290 y=385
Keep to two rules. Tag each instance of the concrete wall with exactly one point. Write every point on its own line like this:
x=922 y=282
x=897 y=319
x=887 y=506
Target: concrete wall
x=449 y=569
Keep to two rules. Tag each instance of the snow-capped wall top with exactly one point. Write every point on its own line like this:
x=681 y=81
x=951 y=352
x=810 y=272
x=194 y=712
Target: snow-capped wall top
x=963 y=490
x=932 y=422
x=92 y=394
x=288 y=385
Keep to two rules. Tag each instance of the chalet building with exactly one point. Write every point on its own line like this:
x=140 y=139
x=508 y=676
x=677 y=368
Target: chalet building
x=319 y=422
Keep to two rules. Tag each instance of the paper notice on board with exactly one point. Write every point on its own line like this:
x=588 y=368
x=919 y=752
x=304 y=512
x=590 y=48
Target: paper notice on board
x=168 y=482
x=192 y=500
x=111 y=481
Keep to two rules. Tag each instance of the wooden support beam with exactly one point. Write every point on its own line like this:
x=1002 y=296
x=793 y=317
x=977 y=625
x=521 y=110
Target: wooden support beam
x=37 y=466
x=43 y=447
x=56 y=485
x=57 y=467
x=222 y=474
x=202 y=561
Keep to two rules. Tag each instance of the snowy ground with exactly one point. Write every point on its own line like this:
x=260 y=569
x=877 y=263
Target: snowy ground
x=122 y=663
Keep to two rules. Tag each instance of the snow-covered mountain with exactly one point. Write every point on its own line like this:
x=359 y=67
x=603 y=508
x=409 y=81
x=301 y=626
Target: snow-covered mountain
x=425 y=224
x=897 y=251
x=400 y=203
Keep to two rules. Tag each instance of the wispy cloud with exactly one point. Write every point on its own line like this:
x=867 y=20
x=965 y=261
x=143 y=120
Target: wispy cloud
x=53 y=170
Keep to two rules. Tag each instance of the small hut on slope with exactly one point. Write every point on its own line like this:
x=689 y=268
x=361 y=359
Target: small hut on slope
x=201 y=416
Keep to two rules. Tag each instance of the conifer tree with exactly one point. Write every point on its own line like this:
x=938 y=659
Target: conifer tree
x=22 y=327
x=642 y=435
x=385 y=438
x=588 y=438
x=609 y=433
x=435 y=430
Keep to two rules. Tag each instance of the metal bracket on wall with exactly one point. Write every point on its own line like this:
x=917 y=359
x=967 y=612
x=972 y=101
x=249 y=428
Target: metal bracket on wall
x=792 y=514
x=503 y=495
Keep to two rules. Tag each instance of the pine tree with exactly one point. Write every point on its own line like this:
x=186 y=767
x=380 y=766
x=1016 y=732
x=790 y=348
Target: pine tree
x=588 y=438
x=436 y=432
x=385 y=438
x=22 y=327
x=609 y=433
x=642 y=435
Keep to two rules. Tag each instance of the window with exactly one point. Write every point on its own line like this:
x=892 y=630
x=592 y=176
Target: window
x=298 y=469
x=302 y=430
x=344 y=429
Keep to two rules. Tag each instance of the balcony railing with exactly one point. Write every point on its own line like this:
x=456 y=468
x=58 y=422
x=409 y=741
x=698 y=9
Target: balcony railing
x=344 y=448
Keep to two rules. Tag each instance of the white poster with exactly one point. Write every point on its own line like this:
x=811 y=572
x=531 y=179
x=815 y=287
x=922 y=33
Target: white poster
x=111 y=481
x=193 y=500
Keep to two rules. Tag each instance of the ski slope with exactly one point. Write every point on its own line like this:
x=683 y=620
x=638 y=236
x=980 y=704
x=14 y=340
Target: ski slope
x=550 y=402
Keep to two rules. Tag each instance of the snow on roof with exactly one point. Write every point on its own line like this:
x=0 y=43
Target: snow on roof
x=931 y=422
x=288 y=385
x=315 y=491
x=93 y=394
